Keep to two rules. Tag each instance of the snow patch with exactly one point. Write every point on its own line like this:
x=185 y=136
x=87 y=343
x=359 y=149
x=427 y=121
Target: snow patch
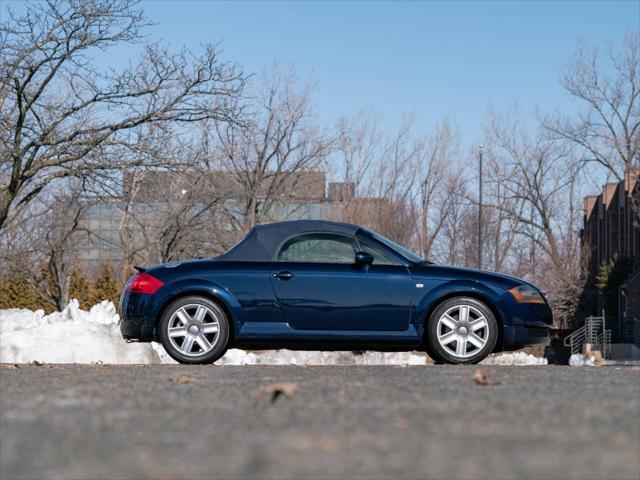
x=515 y=358
x=70 y=336
x=290 y=357
x=579 y=360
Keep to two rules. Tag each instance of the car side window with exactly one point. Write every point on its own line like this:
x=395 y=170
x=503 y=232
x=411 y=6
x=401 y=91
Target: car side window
x=380 y=257
x=319 y=248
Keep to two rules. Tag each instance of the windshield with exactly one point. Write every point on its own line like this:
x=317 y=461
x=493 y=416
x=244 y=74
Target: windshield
x=408 y=254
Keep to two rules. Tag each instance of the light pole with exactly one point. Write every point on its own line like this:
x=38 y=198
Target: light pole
x=480 y=211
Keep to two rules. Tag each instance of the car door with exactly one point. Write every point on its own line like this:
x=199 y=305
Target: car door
x=319 y=286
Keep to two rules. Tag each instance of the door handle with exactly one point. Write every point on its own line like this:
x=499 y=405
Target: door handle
x=284 y=275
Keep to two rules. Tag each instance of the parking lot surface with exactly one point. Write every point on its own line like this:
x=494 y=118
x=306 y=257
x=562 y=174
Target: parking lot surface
x=170 y=422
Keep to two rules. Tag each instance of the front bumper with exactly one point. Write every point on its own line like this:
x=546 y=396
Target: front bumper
x=517 y=336
x=530 y=324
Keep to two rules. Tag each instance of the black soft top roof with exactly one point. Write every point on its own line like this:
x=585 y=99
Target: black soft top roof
x=262 y=241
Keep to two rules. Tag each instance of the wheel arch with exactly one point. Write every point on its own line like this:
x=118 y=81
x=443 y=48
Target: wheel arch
x=487 y=298
x=220 y=296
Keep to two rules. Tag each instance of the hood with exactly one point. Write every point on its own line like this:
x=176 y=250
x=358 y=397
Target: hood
x=470 y=274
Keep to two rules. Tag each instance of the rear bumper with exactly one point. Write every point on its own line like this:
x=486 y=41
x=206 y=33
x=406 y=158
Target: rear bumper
x=135 y=323
x=137 y=329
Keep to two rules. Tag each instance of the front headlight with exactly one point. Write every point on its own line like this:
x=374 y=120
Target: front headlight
x=526 y=294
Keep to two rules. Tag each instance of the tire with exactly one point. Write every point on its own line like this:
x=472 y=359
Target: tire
x=458 y=338
x=194 y=330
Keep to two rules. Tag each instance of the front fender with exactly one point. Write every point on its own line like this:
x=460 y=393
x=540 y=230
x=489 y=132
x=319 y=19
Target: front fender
x=207 y=288
x=492 y=297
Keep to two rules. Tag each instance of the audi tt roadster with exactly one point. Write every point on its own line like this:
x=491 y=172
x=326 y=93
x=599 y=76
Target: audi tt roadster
x=316 y=285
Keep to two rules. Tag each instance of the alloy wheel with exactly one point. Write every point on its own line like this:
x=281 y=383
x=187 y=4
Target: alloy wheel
x=194 y=329
x=462 y=331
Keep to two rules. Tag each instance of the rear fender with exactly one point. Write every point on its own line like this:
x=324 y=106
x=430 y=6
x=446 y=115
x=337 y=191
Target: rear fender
x=206 y=288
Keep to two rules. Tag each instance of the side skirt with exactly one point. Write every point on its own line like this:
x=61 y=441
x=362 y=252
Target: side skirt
x=274 y=335
x=326 y=346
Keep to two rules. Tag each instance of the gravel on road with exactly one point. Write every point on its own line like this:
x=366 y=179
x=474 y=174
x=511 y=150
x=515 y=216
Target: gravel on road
x=166 y=422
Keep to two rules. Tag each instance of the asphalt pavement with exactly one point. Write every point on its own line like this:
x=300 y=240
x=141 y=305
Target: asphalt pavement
x=177 y=422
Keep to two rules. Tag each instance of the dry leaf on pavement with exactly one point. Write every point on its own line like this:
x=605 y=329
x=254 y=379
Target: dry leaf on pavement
x=277 y=390
x=483 y=378
x=183 y=379
x=400 y=423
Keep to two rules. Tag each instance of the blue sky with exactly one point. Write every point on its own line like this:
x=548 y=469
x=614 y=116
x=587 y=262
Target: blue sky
x=428 y=59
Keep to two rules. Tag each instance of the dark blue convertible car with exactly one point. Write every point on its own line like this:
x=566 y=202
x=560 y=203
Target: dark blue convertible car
x=316 y=285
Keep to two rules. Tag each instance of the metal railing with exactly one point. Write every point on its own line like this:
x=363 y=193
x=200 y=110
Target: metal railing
x=594 y=332
x=576 y=340
x=604 y=341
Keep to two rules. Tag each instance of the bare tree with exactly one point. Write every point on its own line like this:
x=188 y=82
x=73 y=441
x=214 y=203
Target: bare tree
x=501 y=211
x=438 y=185
x=267 y=156
x=359 y=142
x=44 y=252
x=539 y=178
x=381 y=170
x=59 y=113
x=123 y=195
x=165 y=209
x=183 y=217
x=608 y=130
x=406 y=185
x=455 y=244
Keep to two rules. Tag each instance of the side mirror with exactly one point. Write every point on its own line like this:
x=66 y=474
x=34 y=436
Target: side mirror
x=364 y=258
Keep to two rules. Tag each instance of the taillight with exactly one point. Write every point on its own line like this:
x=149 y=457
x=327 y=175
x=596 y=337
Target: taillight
x=144 y=283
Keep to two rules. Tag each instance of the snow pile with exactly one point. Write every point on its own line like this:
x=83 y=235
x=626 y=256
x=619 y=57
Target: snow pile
x=578 y=360
x=515 y=358
x=70 y=336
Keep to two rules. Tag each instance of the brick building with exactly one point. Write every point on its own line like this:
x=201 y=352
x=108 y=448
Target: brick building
x=611 y=236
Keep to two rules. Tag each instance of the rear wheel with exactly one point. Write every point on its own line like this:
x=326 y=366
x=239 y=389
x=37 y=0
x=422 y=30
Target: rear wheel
x=461 y=330
x=194 y=330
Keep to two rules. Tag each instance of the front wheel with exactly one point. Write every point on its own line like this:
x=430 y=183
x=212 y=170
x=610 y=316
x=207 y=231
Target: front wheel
x=194 y=330
x=461 y=330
